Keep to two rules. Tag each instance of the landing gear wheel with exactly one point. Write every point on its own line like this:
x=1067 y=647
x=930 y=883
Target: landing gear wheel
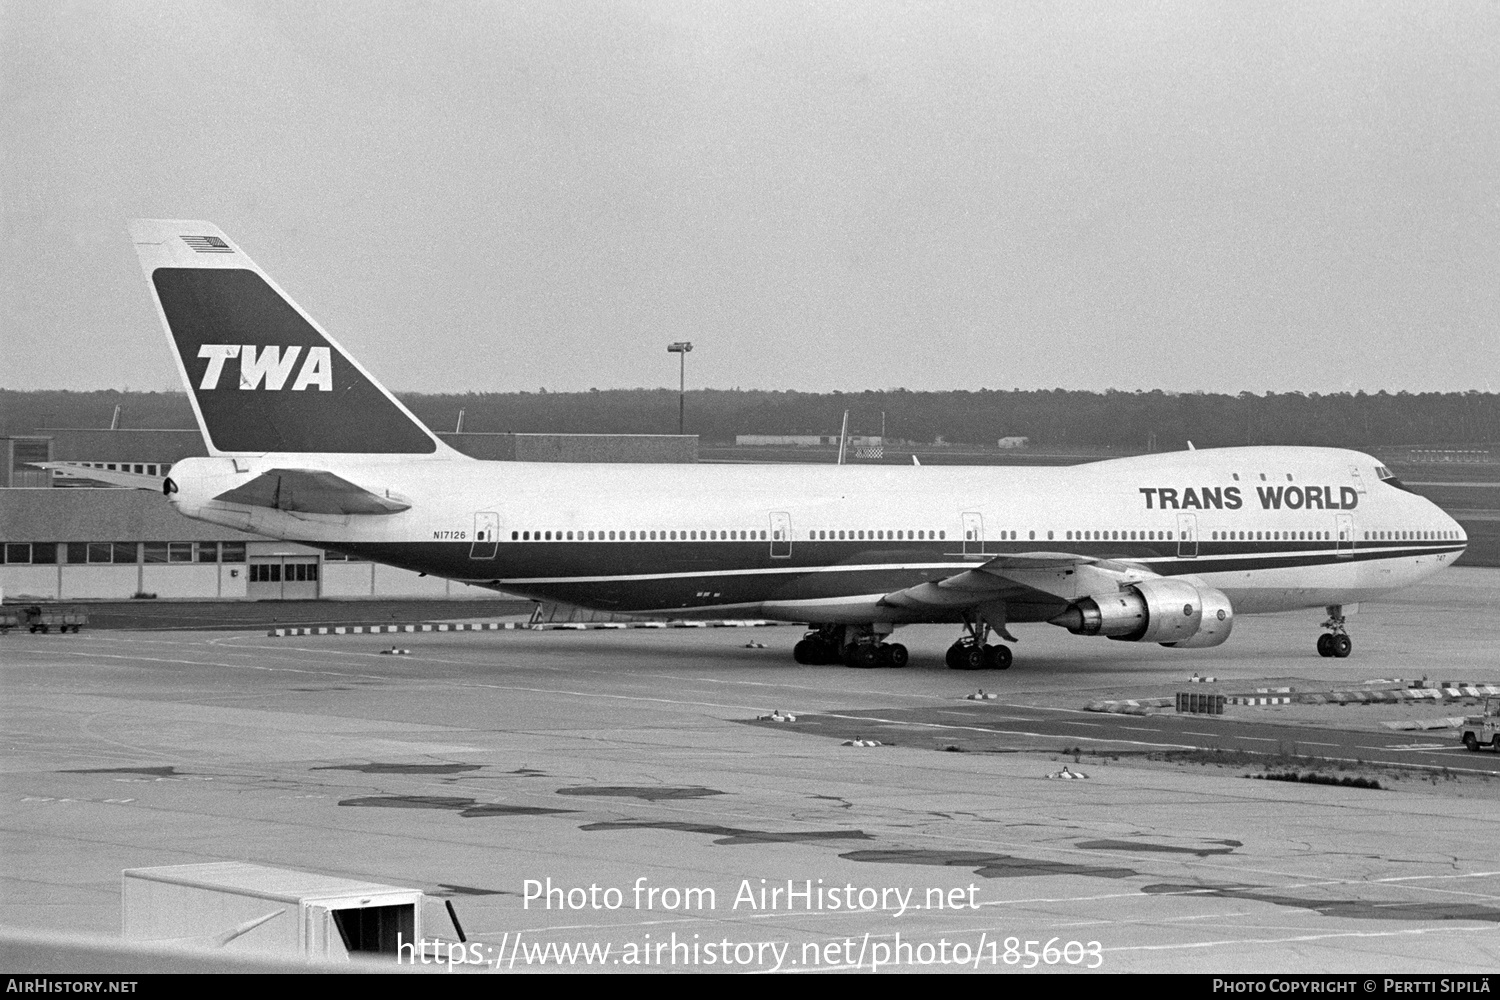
x=818 y=647
x=1342 y=646
x=998 y=657
x=1325 y=644
x=966 y=657
x=893 y=654
x=862 y=656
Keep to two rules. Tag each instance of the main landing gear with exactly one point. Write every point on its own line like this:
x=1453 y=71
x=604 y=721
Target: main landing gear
x=851 y=645
x=971 y=652
x=1336 y=642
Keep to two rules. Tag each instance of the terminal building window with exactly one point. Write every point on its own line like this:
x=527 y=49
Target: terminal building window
x=42 y=553
x=177 y=552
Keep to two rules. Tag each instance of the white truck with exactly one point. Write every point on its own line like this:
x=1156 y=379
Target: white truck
x=1484 y=729
x=272 y=912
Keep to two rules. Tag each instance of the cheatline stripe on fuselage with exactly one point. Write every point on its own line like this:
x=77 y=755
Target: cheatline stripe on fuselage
x=1166 y=565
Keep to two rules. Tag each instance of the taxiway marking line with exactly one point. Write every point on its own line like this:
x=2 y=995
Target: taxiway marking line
x=1209 y=893
x=1299 y=939
x=436 y=681
x=1002 y=732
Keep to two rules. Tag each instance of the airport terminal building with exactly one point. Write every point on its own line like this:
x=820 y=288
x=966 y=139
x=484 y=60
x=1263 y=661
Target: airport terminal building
x=81 y=543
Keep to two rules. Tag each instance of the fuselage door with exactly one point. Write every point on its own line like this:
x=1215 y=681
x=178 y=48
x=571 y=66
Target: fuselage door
x=1187 y=536
x=486 y=535
x=973 y=523
x=781 y=535
x=1344 y=534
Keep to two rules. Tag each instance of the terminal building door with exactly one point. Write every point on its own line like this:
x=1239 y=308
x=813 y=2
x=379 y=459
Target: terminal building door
x=283 y=578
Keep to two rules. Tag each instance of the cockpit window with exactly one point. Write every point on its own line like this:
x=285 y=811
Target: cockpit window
x=1389 y=478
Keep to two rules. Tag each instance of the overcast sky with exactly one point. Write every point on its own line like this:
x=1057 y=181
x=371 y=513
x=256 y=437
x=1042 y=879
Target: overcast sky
x=504 y=196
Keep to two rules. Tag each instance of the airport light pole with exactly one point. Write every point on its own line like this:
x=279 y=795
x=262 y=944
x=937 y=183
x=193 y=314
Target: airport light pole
x=680 y=348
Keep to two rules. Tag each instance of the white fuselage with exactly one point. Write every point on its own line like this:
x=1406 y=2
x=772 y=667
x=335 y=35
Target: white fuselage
x=1274 y=528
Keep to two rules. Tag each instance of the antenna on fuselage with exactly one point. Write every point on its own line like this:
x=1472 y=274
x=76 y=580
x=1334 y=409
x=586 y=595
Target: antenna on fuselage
x=1190 y=446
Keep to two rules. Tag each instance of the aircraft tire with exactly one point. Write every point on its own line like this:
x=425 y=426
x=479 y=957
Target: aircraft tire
x=1342 y=646
x=861 y=656
x=893 y=654
x=972 y=658
x=1325 y=644
x=998 y=657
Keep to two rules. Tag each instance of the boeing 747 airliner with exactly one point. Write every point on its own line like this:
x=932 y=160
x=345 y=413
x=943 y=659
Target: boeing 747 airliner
x=306 y=445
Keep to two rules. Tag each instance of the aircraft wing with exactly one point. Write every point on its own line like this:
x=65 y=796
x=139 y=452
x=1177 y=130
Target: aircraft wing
x=1025 y=577
x=311 y=491
x=130 y=480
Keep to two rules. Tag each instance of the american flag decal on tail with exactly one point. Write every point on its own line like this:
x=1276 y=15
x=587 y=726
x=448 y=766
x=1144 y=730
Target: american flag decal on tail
x=207 y=244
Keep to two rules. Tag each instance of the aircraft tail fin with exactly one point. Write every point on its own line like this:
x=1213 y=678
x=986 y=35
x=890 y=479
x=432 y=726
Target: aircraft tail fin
x=262 y=376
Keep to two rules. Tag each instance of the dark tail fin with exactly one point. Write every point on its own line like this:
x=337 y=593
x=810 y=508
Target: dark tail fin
x=262 y=376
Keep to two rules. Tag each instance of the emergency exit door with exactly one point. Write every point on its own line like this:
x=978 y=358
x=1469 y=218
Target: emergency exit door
x=486 y=535
x=1344 y=534
x=1187 y=536
x=781 y=535
x=973 y=523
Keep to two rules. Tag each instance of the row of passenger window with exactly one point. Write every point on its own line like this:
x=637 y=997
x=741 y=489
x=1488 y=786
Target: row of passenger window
x=690 y=535
x=640 y=535
x=1407 y=536
x=1272 y=536
x=49 y=553
x=1115 y=536
x=878 y=534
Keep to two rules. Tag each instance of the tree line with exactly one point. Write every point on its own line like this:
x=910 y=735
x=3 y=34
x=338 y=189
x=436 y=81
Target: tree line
x=1131 y=421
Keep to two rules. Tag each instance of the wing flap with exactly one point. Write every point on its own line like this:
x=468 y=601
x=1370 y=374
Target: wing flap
x=311 y=491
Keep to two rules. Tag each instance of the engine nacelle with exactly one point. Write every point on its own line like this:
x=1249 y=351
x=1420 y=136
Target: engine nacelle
x=1161 y=609
x=1217 y=623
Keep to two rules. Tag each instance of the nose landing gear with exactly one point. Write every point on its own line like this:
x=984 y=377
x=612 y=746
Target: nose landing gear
x=1336 y=642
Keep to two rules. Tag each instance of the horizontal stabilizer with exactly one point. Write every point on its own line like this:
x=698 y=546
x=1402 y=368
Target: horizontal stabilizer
x=78 y=470
x=311 y=491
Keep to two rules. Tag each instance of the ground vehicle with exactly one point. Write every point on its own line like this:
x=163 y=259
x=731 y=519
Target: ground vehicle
x=39 y=619
x=1484 y=729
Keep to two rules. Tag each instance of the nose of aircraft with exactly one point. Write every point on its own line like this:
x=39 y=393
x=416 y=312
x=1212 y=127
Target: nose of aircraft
x=1445 y=522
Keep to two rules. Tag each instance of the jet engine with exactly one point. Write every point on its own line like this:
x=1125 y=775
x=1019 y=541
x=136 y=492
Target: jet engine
x=1162 y=609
